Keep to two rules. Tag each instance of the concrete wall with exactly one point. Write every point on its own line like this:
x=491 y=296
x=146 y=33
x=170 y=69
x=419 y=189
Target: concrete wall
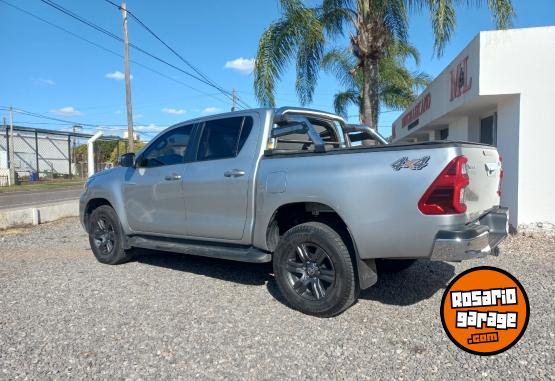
x=513 y=68
x=458 y=129
x=508 y=120
x=440 y=90
x=522 y=61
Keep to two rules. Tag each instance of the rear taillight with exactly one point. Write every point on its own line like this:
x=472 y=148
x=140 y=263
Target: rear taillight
x=500 y=175
x=446 y=194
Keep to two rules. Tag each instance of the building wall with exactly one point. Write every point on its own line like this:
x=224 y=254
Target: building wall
x=512 y=74
x=440 y=90
x=521 y=61
x=53 y=153
x=508 y=121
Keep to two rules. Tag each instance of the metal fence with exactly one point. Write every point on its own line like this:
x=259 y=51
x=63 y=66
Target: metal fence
x=40 y=155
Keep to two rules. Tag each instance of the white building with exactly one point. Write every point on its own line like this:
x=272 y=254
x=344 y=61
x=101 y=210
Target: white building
x=499 y=90
x=42 y=151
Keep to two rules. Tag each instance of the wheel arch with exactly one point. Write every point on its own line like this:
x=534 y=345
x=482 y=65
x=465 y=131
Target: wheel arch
x=291 y=214
x=93 y=204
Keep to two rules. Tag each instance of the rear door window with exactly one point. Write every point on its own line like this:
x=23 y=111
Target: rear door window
x=223 y=138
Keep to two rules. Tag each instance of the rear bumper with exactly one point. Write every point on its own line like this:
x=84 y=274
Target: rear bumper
x=473 y=241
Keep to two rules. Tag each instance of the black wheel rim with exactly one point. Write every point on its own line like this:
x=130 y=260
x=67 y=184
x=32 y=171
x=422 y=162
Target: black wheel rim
x=310 y=271
x=104 y=236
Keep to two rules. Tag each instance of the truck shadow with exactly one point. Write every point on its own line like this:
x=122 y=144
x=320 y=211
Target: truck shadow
x=419 y=282
x=231 y=271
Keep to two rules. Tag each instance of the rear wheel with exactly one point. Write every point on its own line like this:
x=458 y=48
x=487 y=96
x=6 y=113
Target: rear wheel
x=106 y=236
x=314 y=270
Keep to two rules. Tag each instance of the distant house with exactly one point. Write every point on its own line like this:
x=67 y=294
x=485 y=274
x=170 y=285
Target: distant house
x=53 y=149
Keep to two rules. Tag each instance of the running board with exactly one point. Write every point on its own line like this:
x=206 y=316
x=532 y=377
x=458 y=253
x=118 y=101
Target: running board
x=212 y=250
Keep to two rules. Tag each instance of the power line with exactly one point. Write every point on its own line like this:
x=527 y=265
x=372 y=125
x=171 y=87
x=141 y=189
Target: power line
x=195 y=69
x=64 y=121
x=108 y=50
x=134 y=46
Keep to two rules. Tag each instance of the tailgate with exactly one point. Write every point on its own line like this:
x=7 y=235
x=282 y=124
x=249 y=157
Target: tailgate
x=484 y=172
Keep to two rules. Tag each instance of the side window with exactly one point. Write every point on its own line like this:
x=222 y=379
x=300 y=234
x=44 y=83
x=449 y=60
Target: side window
x=224 y=138
x=168 y=149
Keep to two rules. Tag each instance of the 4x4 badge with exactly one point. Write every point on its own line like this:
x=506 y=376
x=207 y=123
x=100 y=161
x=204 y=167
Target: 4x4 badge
x=414 y=164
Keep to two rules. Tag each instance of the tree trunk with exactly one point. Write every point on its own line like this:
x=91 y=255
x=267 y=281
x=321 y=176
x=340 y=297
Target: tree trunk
x=370 y=101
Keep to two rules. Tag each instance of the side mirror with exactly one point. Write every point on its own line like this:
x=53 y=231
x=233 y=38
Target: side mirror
x=127 y=160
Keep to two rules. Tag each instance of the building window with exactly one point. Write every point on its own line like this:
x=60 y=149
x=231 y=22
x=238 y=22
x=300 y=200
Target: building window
x=488 y=130
x=443 y=134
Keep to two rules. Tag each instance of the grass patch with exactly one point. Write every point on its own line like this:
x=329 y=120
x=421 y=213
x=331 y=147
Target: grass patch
x=42 y=186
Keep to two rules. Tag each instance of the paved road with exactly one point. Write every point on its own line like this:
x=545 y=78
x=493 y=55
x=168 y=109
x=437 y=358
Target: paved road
x=165 y=316
x=13 y=200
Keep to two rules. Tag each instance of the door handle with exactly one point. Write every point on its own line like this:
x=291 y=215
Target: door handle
x=172 y=177
x=234 y=173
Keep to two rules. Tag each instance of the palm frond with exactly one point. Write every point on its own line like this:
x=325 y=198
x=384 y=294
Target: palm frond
x=442 y=14
x=275 y=49
x=343 y=99
x=503 y=12
x=336 y=14
x=395 y=19
x=340 y=63
x=309 y=54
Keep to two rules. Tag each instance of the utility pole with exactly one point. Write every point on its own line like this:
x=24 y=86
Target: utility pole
x=76 y=127
x=130 y=134
x=11 y=153
x=234 y=99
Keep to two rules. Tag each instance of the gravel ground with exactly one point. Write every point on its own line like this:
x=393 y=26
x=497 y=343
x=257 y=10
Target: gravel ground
x=64 y=315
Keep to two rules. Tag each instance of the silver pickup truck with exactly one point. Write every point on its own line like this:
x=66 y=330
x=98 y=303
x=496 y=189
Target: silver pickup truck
x=327 y=202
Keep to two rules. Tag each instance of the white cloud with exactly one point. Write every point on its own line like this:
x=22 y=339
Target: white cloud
x=117 y=112
x=173 y=111
x=66 y=111
x=150 y=128
x=210 y=110
x=138 y=116
x=244 y=65
x=117 y=75
x=46 y=81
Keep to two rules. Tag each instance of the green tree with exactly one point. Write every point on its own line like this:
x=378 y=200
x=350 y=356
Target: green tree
x=302 y=34
x=397 y=86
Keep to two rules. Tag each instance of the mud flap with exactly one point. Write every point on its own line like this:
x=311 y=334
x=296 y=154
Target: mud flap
x=367 y=273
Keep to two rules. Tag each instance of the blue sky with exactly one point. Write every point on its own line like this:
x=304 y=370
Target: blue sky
x=47 y=71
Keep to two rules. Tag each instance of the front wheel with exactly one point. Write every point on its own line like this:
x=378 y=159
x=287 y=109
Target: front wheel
x=106 y=236
x=314 y=270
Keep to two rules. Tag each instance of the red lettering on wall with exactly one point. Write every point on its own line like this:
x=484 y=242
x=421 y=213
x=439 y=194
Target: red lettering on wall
x=419 y=108
x=461 y=82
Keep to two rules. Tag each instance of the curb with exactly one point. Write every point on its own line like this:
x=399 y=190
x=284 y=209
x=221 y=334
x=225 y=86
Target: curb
x=38 y=214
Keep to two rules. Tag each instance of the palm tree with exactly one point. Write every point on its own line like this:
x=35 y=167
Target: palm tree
x=302 y=33
x=397 y=86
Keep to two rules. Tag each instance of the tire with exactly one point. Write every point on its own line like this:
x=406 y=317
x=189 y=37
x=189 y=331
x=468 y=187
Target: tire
x=314 y=270
x=106 y=236
x=394 y=265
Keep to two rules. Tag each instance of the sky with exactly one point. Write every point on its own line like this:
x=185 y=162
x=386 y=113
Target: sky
x=50 y=72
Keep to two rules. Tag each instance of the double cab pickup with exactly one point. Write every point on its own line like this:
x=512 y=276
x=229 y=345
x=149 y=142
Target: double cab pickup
x=330 y=204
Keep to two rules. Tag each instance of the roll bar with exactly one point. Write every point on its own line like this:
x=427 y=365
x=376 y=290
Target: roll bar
x=297 y=115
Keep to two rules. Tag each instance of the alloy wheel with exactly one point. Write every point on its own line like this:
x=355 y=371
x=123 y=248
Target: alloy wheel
x=310 y=271
x=104 y=236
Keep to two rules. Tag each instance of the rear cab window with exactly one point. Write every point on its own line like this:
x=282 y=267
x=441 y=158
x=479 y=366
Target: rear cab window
x=223 y=138
x=302 y=142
